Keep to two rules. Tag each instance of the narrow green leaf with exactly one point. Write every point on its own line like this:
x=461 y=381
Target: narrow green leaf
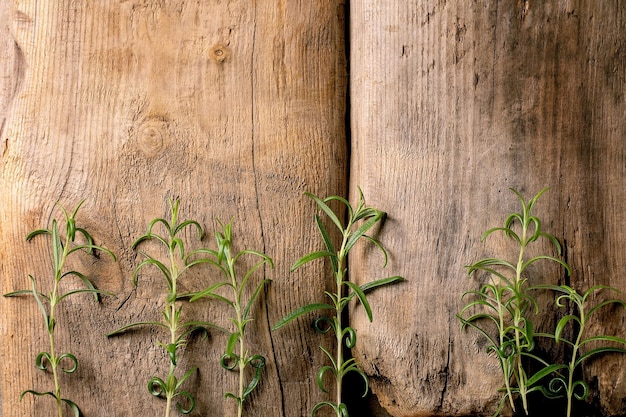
x=492 y=342
x=597 y=288
x=343 y=201
x=177 y=242
x=38 y=232
x=139 y=240
x=356 y=369
x=329 y=212
x=367 y=212
x=550 y=258
x=603 y=304
x=258 y=367
x=190 y=223
x=562 y=323
x=349 y=337
x=323 y=404
x=255 y=295
x=80 y=204
x=197 y=325
x=532 y=202
x=479 y=316
x=90 y=248
x=320 y=377
x=379 y=246
x=232 y=342
x=507 y=231
x=266 y=259
x=558 y=288
x=362 y=298
x=85 y=280
x=360 y=232
x=479 y=300
x=554 y=242
x=330 y=248
x=331 y=357
x=42 y=308
x=612 y=339
x=597 y=351
x=244 y=282
x=140 y=323
x=30 y=391
x=537 y=228
x=151 y=225
x=380 y=282
x=23 y=292
x=489 y=262
x=210 y=292
x=86 y=236
x=151 y=261
x=300 y=311
x=233 y=397
x=204 y=251
x=310 y=257
x=57 y=248
x=185 y=376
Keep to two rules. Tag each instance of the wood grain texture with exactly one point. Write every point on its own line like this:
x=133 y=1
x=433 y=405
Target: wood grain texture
x=452 y=104
x=237 y=108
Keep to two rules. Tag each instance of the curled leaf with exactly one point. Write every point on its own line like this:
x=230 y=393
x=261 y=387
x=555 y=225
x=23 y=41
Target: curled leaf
x=72 y=359
x=190 y=400
x=229 y=361
x=41 y=360
x=157 y=387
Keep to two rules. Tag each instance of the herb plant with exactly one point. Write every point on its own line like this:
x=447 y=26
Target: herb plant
x=506 y=302
x=501 y=311
x=360 y=220
x=178 y=262
x=563 y=376
x=76 y=239
x=236 y=359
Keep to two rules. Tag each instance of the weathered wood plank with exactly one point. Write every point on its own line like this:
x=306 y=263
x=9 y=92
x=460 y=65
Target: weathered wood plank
x=235 y=107
x=453 y=103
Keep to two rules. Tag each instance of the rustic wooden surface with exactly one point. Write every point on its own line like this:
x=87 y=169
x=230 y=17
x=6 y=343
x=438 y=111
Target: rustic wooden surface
x=237 y=108
x=452 y=104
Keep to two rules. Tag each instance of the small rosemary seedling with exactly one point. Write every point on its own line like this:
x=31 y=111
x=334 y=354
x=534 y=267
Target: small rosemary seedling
x=566 y=383
x=360 y=220
x=241 y=359
x=178 y=262
x=76 y=239
x=506 y=302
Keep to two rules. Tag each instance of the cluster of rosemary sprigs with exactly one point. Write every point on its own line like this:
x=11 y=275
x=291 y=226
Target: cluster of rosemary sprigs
x=230 y=289
x=505 y=311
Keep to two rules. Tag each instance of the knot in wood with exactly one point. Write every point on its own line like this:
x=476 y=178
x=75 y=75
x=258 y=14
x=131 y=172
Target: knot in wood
x=151 y=137
x=219 y=52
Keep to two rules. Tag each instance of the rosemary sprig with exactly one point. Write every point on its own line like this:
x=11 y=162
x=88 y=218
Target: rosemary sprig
x=360 y=220
x=76 y=239
x=178 y=262
x=226 y=262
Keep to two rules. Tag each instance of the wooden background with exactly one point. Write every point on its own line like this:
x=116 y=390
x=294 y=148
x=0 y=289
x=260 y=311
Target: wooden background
x=239 y=107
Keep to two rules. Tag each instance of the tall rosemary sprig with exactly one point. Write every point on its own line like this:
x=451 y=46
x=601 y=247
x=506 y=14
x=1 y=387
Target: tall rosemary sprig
x=226 y=262
x=76 y=239
x=360 y=220
x=178 y=262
